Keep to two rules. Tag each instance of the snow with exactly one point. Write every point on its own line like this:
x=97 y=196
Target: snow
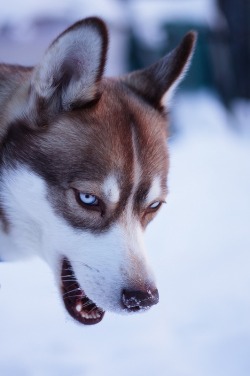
x=198 y=11
x=30 y=9
x=148 y=17
x=108 y=9
x=199 y=247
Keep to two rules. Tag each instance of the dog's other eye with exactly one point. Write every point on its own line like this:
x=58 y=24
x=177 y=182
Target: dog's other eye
x=89 y=199
x=155 y=205
x=150 y=211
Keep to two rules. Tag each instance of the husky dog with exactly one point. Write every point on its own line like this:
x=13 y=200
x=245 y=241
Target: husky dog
x=84 y=168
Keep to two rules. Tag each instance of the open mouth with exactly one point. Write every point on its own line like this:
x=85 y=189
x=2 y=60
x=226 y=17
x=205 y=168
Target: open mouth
x=78 y=305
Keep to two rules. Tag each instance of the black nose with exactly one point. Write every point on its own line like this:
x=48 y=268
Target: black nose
x=136 y=300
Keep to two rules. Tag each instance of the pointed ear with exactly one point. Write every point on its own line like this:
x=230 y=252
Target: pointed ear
x=73 y=65
x=157 y=82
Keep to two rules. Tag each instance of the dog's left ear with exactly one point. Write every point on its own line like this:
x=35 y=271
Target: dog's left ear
x=73 y=65
x=157 y=83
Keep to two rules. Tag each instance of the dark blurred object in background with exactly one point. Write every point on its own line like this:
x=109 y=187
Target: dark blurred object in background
x=142 y=31
x=222 y=57
x=200 y=72
x=237 y=31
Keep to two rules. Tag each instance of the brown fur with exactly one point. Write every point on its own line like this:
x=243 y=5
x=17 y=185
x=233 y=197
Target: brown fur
x=92 y=151
x=82 y=144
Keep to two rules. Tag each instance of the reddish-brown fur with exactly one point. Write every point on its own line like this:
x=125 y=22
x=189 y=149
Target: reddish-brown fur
x=67 y=133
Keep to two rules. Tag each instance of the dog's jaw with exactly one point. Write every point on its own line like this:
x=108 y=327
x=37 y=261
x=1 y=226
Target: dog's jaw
x=78 y=305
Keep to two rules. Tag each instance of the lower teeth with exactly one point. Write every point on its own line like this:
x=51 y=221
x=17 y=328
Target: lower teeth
x=86 y=315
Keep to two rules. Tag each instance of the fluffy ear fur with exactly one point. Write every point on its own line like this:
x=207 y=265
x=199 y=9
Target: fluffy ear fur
x=73 y=65
x=159 y=80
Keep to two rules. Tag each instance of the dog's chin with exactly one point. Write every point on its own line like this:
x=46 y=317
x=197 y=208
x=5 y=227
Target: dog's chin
x=76 y=302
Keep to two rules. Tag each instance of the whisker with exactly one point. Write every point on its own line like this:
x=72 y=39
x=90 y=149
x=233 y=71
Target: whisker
x=85 y=305
x=73 y=296
x=92 y=309
x=69 y=292
x=84 y=264
x=88 y=303
x=68 y=275
x=72 y=285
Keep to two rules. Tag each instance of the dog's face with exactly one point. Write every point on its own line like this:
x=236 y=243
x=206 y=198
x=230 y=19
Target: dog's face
x=91 y=155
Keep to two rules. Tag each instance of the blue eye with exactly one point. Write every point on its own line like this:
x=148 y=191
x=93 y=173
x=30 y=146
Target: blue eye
x=88 y=199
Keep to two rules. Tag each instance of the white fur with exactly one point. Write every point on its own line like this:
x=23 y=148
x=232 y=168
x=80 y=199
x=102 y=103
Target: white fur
x=111 y=189
x=81 y=48
x=104 y=264
x=137 y=172
x=136 y=166
x=155 y=191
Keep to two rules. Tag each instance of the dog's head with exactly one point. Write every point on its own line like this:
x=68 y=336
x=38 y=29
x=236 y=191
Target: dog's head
x=89 y=168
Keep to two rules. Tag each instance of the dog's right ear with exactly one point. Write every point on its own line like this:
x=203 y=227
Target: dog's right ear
x=157 y=83
x=72 y=65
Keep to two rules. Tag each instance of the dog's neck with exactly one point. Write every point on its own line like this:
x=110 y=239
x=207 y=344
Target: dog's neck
x=12 y=78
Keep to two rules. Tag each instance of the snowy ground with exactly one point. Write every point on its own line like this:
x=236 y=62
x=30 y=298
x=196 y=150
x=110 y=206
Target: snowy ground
x=199 y=246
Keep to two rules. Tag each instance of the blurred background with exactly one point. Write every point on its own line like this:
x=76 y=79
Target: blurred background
x=199 y=245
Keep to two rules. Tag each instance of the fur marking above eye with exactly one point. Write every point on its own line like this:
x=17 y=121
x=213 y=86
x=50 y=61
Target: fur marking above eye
x=155 y=191
x=111 y=189
x=88 y=199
